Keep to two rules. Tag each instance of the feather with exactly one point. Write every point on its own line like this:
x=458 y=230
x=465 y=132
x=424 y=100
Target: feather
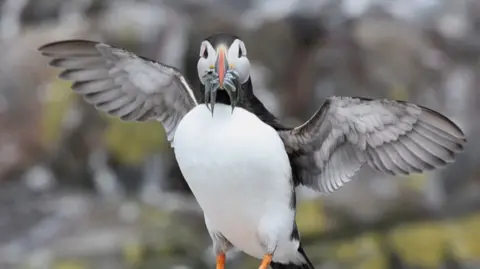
x=393 y=137
x=121 y=83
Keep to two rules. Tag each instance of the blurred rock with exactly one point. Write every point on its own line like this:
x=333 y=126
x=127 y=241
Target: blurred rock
x=39 y=178
x=77 y=175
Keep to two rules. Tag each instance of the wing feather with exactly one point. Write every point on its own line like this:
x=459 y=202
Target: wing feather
x=393 y=137
x=121 y=83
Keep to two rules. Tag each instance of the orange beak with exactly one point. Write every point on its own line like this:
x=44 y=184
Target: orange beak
x=221 y=65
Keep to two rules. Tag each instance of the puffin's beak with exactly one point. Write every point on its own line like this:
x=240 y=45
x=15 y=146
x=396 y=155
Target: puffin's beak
x=227 y=81
x=221 y=65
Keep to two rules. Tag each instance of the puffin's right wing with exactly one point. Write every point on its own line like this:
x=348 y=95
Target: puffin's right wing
x=347 y=133
x=123 y=84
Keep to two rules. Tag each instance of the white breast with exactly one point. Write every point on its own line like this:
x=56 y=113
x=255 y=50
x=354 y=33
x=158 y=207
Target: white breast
x=239 y=172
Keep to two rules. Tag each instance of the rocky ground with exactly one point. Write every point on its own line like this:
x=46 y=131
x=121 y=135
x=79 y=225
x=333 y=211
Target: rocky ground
x=80 y=190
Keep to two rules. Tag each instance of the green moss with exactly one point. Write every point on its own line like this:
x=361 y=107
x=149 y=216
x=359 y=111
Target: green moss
x=420 y=244
x=69 y=264
x=128 y=35
x=59 y=98
x=415 y=181
x=359 y=252
x=311 y=217
x=464 y=237
x=132 y=142
x=133 y=253
x=153 y=217
x=345 y=251
x=399 y=93
x=371 y=255
x=377 y=262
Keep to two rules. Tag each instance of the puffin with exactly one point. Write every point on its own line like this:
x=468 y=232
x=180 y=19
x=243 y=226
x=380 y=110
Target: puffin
x=243 y=166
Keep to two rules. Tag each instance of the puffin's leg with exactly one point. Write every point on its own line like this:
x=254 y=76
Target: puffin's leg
x=220 y=260
x=267 y=259
x=267 y=234
x=220 y=244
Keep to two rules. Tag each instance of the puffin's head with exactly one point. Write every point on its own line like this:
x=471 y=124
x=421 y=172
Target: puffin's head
x=223 y=65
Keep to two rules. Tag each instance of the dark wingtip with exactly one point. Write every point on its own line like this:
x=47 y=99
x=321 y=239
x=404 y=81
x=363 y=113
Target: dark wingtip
x=460 y=134
x=46 y=47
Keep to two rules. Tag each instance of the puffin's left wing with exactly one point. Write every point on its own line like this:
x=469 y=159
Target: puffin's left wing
x=123 y=84
x=394 y=137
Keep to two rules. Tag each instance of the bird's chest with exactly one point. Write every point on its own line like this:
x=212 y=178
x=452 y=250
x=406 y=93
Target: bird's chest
x=235 y=165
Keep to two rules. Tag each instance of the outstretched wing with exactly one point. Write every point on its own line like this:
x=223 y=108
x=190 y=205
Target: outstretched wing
x=123 y=84
x=346 y=133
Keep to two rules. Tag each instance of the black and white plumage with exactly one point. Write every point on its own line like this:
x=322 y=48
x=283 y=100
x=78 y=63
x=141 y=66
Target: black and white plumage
x=241 y=163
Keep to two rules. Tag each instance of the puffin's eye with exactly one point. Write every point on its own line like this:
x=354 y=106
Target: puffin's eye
x=240 y=54
x=205 y=53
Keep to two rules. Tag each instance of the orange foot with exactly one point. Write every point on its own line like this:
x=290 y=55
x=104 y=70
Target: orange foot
x=267 y=259
x=221 y=261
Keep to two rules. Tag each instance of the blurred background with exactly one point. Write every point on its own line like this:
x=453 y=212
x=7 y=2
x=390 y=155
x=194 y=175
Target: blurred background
x=80 y=190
